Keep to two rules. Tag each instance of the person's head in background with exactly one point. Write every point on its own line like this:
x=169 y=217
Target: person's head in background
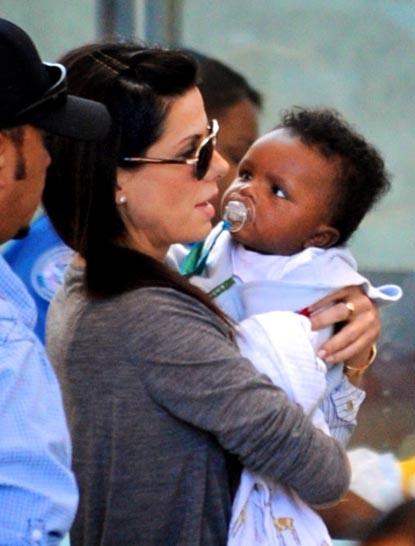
x=33 y=100
x=232 y=100
x=138 y=191
x=310 y=182
x=396 y=528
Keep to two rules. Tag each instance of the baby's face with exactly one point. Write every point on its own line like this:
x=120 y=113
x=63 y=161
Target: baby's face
x=291 y=187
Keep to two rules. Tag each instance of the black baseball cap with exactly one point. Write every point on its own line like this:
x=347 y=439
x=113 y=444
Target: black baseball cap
x=35 y=93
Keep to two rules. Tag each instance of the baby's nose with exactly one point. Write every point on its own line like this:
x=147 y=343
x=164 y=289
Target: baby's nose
x=245 y=188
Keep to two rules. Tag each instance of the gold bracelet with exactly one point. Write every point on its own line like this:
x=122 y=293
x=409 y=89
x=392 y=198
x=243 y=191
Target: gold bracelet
x=362 y=369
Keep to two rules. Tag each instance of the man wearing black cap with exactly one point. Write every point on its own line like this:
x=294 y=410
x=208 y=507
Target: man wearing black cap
x=38 y=494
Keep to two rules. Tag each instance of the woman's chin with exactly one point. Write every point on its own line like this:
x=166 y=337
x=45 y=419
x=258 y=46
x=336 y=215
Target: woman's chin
x=198 y=234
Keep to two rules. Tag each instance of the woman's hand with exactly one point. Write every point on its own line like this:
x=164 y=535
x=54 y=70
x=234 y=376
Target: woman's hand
x=353 y=343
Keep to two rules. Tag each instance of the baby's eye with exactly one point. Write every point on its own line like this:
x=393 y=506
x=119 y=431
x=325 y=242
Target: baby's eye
x=277 y=191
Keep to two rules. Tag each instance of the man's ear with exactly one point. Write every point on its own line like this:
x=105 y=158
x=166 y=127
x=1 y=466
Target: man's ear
x=3 y=147
x=324 y=237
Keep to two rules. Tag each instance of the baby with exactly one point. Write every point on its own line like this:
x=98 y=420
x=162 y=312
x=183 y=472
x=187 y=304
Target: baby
x=301 y=192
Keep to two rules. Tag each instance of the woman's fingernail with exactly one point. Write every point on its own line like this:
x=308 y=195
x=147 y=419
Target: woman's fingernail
x=322 y=354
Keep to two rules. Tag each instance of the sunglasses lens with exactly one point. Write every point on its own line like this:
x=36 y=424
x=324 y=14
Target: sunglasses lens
x=204 y=159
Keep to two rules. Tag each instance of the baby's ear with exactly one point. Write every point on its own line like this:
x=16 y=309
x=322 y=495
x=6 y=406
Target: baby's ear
x=324 y=237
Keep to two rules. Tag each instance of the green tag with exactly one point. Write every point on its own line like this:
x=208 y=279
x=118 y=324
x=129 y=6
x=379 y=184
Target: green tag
x=222 y=287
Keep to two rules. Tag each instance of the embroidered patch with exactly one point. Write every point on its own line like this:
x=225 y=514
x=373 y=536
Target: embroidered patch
x=222 y=287
x=48 y=271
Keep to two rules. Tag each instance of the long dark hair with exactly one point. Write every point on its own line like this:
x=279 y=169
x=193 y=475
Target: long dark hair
x=137 y=84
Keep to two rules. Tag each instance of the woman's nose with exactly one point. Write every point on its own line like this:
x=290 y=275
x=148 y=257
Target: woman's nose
x=218 y=167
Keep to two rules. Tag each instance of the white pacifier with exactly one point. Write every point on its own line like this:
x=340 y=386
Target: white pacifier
x=236 y=215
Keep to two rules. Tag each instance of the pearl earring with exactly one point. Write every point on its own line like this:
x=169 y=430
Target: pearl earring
x=122 y=200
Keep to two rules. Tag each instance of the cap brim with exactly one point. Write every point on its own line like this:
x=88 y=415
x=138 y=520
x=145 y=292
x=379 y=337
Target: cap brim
x=78 y=118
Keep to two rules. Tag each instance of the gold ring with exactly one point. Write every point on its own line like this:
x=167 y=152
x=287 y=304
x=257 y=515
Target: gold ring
x=351 y=309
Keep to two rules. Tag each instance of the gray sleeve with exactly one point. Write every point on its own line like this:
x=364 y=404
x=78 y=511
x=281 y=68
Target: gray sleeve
x=190 y=367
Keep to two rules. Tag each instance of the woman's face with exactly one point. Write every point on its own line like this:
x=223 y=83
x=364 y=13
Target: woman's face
x=164 y=203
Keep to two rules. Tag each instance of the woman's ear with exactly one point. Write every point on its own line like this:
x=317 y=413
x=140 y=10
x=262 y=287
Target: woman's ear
x=121 y=186
x=324 y=237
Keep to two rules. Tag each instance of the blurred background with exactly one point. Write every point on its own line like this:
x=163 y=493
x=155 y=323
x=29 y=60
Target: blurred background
x=355 y=55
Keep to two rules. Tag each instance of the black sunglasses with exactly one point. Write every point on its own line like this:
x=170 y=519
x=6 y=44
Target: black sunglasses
x=200 y=161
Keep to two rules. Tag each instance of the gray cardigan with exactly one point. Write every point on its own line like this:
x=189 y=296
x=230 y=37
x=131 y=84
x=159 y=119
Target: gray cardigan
x=157 y=395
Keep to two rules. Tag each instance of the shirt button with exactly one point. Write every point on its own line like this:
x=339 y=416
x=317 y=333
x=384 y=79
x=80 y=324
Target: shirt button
x=36 y=534
x=350 y=405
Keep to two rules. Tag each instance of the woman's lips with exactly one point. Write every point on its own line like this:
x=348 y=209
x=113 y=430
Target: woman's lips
x=207 y=209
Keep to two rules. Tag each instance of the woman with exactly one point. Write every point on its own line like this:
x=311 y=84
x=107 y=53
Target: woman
x=157 y=396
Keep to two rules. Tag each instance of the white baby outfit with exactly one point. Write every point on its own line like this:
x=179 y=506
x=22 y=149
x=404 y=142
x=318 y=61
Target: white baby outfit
x=260 y=292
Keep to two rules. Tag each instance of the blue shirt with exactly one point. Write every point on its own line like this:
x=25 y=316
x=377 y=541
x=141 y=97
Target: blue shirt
x=39 y=260
x=38 y=493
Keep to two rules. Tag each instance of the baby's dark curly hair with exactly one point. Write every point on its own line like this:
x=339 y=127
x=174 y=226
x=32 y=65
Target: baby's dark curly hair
x=362 y=179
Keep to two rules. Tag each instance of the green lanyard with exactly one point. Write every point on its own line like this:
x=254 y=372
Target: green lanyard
x=195 y=261
x=190 y=265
